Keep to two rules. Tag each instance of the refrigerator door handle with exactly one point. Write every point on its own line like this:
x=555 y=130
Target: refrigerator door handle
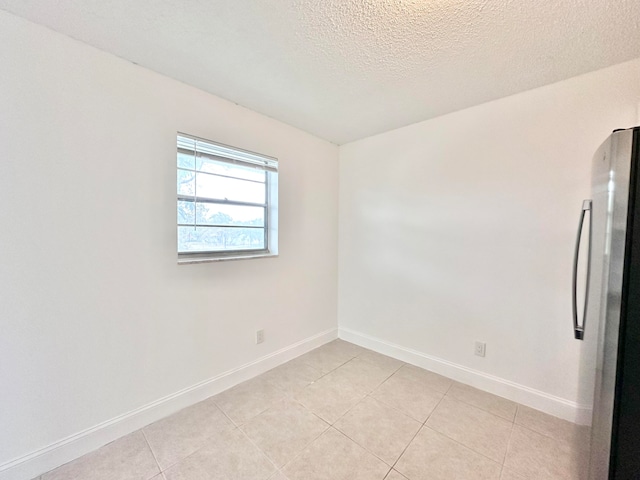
x=578 y=330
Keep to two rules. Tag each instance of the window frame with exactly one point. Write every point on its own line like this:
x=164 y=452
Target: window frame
x=260 y=162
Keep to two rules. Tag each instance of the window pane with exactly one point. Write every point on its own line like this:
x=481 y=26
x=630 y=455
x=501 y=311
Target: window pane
x=230 y=170
x=223 y=188
x=212 y=214
x=186 y=161
x=219 y=239
x=186 y=212
x=186 y=183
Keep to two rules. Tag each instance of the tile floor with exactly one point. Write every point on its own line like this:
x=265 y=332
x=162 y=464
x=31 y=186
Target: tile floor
x=342 y=412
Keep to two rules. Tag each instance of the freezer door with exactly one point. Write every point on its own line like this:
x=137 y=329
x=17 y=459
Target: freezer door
x=610 y=199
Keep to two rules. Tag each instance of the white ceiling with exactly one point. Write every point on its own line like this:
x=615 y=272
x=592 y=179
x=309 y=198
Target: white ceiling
x=347 y=69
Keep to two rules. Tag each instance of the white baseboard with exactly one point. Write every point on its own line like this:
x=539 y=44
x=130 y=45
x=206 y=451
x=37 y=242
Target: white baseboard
x=74 y=446
x=551 y=404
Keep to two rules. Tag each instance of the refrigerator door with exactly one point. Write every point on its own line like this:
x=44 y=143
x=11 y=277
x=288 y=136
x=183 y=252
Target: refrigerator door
x=625 y=435
x=610 y=201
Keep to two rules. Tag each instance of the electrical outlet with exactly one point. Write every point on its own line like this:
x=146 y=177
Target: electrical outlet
x=480 y=349
x=259 y=336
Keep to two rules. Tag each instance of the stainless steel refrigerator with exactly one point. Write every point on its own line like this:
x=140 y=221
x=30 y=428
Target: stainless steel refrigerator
x=609 y=318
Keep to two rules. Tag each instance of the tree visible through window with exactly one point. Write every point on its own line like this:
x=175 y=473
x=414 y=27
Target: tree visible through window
x=225 y=198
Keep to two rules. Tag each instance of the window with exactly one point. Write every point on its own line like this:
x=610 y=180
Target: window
x=227 y=201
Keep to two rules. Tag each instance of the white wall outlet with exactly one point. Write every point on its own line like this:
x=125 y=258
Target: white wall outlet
x=480 y=349
x=259 y=336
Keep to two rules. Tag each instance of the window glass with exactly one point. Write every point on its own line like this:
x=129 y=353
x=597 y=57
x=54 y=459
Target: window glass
x=226 y=200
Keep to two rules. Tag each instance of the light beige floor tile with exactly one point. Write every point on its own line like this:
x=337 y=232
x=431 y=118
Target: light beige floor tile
x=510 y=475
x=347 y=347
x=278 y=476
x=473 y=427
x=330 y=356
x=284 y=430
x=380 y=360
x=128 y=457
x=553 y=427
x=179 y=435
x=229 y=455
x=429 y=379
x=491 y=403
x=335 y=457
x=363 y=375
x=248 y=399
x=432 y=456
x=393 y=475
x=381 y=429
x=468 y=425
x=539 y=457
x=408 y=395
x=330 y=397
x=293 y=376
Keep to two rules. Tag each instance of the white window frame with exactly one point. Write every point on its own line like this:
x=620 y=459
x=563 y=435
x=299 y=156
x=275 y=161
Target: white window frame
x=225 y=154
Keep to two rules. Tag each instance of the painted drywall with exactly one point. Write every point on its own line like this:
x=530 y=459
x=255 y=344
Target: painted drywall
x=97 y=318
x=462 y=228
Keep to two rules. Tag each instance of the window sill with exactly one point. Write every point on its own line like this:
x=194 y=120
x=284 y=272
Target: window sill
x=186 y=261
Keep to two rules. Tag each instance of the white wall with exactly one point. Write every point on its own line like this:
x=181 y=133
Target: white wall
x=96 y=316
x=462 y=228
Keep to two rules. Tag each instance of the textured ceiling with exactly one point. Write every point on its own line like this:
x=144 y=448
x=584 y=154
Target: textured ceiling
x=347 y=69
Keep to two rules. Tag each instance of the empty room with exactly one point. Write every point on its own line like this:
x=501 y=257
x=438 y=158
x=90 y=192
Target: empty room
x=319 y=240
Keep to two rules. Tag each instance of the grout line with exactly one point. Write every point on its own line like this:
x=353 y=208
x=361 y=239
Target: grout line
x=264 y=454
x=302 y=450
x=225 y=414
x=362 y=446
x=416 y=434
x=327 y=373
x=233 y=426
x=237 y=426
x=555 y=439
x=506 y=451
x=450 y=397
x=405 y=448
x=398 y=409
x=365 y=394
x=546 y=435
x=365 y=449
x=446 y=394
x=144 y=435
x=462 y=444
x=424 y=425
x=397 y=472
x=368 y=395
x=183 y=459
x=450 y=385
x=387 y=475
x=314 y=414
x=484 y=409
x=332 y=425
x=509 y=442
x=358 y=402
x=434 y=409
x=392 y=407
